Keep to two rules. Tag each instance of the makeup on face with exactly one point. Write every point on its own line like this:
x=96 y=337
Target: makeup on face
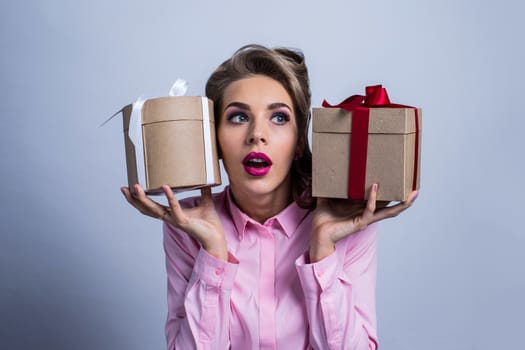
x=257 y=135
x=257 y=164
x=238 y=113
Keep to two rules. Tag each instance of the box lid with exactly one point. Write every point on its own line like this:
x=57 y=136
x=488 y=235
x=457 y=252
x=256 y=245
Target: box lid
x=172 y=108
x=382 y=120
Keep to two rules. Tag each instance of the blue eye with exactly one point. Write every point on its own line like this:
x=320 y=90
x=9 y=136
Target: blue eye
x=237 y=118
x=280 y=118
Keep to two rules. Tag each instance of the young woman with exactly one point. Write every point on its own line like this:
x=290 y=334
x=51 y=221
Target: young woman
x=263 y=265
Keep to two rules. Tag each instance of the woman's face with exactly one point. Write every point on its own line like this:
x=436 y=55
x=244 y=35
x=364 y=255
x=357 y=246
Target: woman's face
x=258 y=136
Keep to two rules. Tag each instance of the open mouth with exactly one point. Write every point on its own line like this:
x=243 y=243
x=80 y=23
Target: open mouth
x=257 y=164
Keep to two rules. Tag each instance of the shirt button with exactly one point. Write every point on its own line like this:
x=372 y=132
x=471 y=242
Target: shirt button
x=320 y=273
x=218 y=272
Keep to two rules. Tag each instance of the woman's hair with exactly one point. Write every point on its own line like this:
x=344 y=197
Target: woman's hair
x=286 y=66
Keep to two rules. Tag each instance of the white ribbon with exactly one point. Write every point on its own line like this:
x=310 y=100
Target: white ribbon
x=206 y=130
x=179 y=88
x=135 y=134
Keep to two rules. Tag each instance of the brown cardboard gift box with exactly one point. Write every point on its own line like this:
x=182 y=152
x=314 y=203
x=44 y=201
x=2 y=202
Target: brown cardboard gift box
x=390 y=153
x=175 y=140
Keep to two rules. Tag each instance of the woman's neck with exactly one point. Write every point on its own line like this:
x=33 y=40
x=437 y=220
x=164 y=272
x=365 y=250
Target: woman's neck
x=261 y=207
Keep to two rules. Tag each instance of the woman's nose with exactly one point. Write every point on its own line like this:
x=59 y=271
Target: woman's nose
x=257 y=134
x=256 y=139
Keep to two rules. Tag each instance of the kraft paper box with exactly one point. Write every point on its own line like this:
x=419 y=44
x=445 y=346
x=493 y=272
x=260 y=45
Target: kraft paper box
x=175 y=144
x=390 y=156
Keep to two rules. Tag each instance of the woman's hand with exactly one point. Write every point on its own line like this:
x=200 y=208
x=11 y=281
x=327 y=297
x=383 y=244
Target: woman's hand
x=201 y=223
x=335 y=219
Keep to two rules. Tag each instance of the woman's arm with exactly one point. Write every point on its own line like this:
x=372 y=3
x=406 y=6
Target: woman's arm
x=339 y=279
x=339 y=293
x=200 y=270
x=199 y=289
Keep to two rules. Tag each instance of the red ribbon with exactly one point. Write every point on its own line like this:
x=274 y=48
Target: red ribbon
x=376 y=96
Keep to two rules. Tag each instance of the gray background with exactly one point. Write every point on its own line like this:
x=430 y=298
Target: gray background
x=81 y=270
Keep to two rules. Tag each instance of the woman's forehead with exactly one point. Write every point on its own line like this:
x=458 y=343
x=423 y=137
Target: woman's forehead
x=259 y=90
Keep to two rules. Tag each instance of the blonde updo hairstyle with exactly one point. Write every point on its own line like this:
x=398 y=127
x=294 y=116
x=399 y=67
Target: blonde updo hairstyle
x=286 y=66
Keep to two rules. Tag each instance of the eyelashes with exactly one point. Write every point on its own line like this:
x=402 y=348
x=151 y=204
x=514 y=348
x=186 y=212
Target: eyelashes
x=237 y=117
x=280 y=117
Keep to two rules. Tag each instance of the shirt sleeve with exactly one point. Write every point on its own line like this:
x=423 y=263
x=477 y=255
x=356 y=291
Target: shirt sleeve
x=339 y=293
x=199 y=290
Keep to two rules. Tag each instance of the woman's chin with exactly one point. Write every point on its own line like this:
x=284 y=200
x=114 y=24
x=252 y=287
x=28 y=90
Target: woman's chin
x=260 y=186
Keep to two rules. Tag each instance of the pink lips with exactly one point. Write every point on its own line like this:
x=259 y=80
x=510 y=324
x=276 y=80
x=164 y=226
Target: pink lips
x=257 y=164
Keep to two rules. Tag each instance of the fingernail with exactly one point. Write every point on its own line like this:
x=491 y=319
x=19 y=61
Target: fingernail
x=122 y=190
x=374 y=187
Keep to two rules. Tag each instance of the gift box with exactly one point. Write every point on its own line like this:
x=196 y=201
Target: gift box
x=366 y=140
x=171 y=140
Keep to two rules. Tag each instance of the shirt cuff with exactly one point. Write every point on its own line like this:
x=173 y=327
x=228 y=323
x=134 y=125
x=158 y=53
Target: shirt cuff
x=215 y=271
x=318 y=276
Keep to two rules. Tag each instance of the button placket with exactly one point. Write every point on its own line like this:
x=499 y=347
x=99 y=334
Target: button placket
x=267 y=286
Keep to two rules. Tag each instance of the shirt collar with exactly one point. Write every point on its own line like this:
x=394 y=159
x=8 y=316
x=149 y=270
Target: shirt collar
x=289 y=218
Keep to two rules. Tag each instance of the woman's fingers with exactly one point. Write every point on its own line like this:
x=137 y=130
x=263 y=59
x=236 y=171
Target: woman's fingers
x=143 y=203
x=412 y=197
x=175 y=208
x=125 y=192
x=173 y=213
x=132 y=199
x=371 y=202
x=390 y=212
x=338 y=219
x=154 y=209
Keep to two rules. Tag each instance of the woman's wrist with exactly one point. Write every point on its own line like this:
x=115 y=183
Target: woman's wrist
x=320 y=247
x=217 y=249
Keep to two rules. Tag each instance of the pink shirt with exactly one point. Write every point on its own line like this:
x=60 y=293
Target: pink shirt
x=267 y=296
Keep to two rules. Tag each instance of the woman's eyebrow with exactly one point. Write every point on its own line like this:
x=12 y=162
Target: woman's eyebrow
x=245 y=106
x=238 y=105
x=277 y=105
